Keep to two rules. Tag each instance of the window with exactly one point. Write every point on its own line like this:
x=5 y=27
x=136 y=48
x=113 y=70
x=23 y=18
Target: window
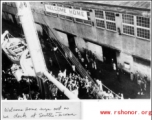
x=143 y=33
x=143 y=22
x=110 y=16
x=86 y=9
x=77 y=19
x=105 y=20
x=110 y=21
x=129 y=19
x=100 y=23
x=81 y=20
x=139 y=26
x=142 y=61
x=99 y=14
x=59 y=5
x=87 y=21
x=61 y=16
x=67 y=17
x=54 y=14
x=51 y=14
x=128 y=24
x=88 y=14
x=111 y=25
x=143 y=27
x=128 y=29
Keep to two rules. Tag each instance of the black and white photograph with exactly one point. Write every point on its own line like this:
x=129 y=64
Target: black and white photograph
x=76 y=50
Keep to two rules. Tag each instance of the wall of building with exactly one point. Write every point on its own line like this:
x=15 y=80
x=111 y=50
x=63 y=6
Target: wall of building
x=80 y=43
x=96 y=49
x=128 y=45
x=143 y=70
x=123 y=58
x=125 y=43
x=63 y=38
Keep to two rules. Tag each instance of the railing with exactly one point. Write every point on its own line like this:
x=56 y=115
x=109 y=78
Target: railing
x=80 y=68
x=75 y=61
x=78 y=65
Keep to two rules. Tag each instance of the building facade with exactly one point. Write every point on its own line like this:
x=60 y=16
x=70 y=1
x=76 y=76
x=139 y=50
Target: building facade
x=113 y=30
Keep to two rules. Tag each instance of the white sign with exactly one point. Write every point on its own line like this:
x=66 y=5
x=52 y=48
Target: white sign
x=67 y=11
x=127 y=66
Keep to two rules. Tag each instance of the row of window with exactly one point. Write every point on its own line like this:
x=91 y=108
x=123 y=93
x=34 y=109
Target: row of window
x=105 y=20
x=131 y=25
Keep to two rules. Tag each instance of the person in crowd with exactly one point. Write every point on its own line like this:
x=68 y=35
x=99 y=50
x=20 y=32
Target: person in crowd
x=76 y=51
x=87 y=57
x=137 y=76
x=145 y=82
x=95 y=65
x=140 y=85
x=51 y=62
x=55 y=48
x=86 y=66
x=121 y=96
x=73 y=68
x=118 y=75
x=66 y=55
x=82 y=61
x=104 y=59
x=99 y=84
x=81 y=87
x=131 y=76
x=111 y=95
x=113 y=65
x=70 y=54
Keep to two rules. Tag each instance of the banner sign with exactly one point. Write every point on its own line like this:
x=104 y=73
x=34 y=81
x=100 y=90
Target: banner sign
x=67 y=11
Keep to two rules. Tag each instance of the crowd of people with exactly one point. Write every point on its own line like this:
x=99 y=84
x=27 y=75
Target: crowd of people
x=81 y=87
x=141 y=81
x=87 y=59
x=25 y=89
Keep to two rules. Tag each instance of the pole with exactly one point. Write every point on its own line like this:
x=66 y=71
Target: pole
x=35 y=50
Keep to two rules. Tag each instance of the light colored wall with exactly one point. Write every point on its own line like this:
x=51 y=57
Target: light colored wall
x=123 y=57
x=96 y=49
x=134 y=66
x=80 y=43
x=142 y=69
x=63 y=38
